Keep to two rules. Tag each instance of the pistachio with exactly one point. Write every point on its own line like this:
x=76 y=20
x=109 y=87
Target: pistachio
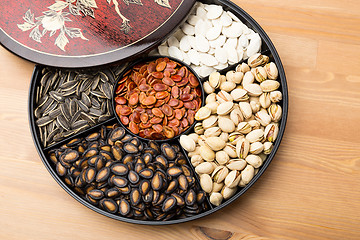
x=196 y=152
x=235 y=137
x=210 y=98
x=208 y=88
x=236 y=115
x=212 y=132
x=254 y=124
x=242 y=148
x=230 y=150
x=194 y=136
x=215 y=143
x=275 y=112
x=238 y=76
x=232 y=179
x=223 y=96
x=247 y=174
x=255 y=106
x=216 y=198
x=196 y=160
x=239 y=95
x=224 y=136
x=199 y=128
x=225 y=108
x=220 y=173
x=260 y=74
x=204 y=168
x=256 y=148
x=263 y=118
x=271 y=70
x=217 y=186
x=275 y=96
x=255 y=135
x=228 y=192
x=236 y=164
x=268 y=147
x=264 y=100
x=243 y=67
x=253 y=89
x=271 y=132
x=187 y=143
x=226 y=125
x=222 y=157
x=257 y=60
x=213 y=106
x=228 y=86
x=214 y=79
x=245 y=109
x=230 y=75
x=269 y=85
x=248 y=78
x=244 y=128
x=254 y=160
x=206 y=183
x=206 y=153
x=202 y=113
x=210 y=122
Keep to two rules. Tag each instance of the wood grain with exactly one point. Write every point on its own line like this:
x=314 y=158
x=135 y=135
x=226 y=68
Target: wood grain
x=311 y=189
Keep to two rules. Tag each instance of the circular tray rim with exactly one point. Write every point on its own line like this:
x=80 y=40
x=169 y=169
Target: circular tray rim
x=270 y=157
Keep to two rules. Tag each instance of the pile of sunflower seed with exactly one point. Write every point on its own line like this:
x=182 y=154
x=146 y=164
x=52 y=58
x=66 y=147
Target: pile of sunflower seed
x=69 y=101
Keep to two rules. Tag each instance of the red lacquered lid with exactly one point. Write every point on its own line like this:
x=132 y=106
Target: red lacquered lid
x=83 y=33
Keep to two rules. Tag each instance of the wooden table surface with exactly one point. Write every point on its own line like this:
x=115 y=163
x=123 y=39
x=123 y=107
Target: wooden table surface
x=311 y=190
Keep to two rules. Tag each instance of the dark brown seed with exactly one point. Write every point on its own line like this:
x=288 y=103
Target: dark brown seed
x=190 y=197
x=117 y=134
x=183 y=183
x=162 y=161
x=109 y=205
x=119 y=169
x=69 y=156
x=96 y=194
x=100 y=162
x=91 y=200
x=169 y=204
x=174 y=171
x=144 y=187
x=124 y=207
x=156 y=196
x=112 y=193
x=186 y=170
x=157 y=181
x=133 y=177
x=181 y=160
x=92 y=160
x=130 y=148
x=172 y=186
x=106 y=155
x=74 y=142
x=103 y=174
x=90 y=152
x=148 y=197
x=79 y=182
x=179 y=199
x=119 y=181
x=146 y=173
x=60 y=169
x=168 y=151
x=162 y=197
x=135 y=197
x=125 y=190
x=93 y=137
x=147 y=158
x=200 y=197
x=117 y=153
x=127 y=158
x=90 y=175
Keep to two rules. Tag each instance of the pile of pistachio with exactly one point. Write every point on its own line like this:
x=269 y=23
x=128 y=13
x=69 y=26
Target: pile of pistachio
x=237 y=127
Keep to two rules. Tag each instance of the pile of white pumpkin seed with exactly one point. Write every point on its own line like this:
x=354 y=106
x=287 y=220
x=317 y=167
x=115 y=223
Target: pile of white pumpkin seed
x=237 y=127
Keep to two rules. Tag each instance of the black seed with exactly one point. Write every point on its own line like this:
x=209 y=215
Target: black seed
x=117 y=134
x=161 y=161
x=161 y=199
x=109 y=205
x=169 y=216
x=103 y=174
x=74 y=142
x=93 y=145
x=138 y=213
x=157 y=181
x=144 y=187
x=146 y=173
x=133 y=177
x=181 y=160
x=135 y=197
x=90 y=175
x=154 y=145
x=96 y=194
x=174 y=171
x=147 y=198
x=139 y=167
x=156 y=197
x=190 y=197
x=183 y=183
x=147 y=157
x=148 y=214
x=186 y=170
x=119 y=181
x=168 y=151
x=69 y=180
x=172 y=186
x=105 y=154
x=100 y=162
x=179 y=199
x=200 y=197
x=191 y=180
x=60 y=169
x=169 y=204
x=69 y=156
x=130 y=148
x=127 y=158
x=117 y=152
x=91 y=200
x=90 y=152
x=125 y=190
x=93 y=137
x=119 y=169
x=112 y=193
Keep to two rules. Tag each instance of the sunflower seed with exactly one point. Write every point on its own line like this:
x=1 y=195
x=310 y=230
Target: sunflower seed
x=63 y=123
x=43 y=121
x=85 y=99
x=56 y=96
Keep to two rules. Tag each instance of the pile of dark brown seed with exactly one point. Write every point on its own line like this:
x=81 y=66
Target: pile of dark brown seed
x=67 y=102
x=128 y=177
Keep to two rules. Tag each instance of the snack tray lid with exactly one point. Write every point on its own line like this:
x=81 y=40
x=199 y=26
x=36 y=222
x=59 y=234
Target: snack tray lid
x=84 y=33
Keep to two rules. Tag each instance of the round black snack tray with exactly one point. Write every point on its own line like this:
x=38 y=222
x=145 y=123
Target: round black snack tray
x=267 y=49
